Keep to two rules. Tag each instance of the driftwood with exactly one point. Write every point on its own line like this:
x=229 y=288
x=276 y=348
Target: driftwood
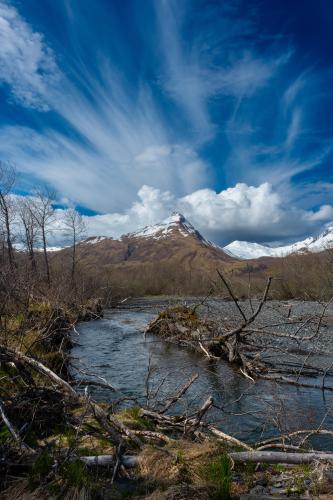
x=279 y=457
x=237 y=341
x=199 y=415
x=152 y=435
x=251 y=319
x=307 y=432
x=181 y=325
x=228 y=439
x=179 y=422
x=171 y=401
x=17 y=356
x=127 y=461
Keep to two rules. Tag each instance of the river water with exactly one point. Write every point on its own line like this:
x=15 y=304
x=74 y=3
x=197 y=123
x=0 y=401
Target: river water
x=116 y=349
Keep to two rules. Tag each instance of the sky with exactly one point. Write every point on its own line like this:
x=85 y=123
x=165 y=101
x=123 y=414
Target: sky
x=221 y=110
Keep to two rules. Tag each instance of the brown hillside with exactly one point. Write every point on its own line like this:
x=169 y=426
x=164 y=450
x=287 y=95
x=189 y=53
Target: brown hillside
x=168 y=258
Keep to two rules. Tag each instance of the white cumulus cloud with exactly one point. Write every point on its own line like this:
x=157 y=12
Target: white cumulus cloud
x=255 y=213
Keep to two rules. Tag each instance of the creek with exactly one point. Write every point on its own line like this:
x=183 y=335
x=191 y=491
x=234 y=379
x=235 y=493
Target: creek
x=116 y=349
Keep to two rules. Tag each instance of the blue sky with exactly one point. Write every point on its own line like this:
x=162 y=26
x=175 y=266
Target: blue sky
x=132 y=109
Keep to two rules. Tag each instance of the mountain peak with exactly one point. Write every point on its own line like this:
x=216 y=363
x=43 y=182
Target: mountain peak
x=176 y=217
x=176 y=222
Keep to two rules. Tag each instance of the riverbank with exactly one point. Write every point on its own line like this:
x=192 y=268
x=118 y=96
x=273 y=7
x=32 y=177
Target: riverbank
x=176 y=456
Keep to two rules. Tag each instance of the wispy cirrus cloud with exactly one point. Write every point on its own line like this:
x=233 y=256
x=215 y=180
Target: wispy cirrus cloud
x=27 y=64
x=217 y=103
x=193 y=77
x=281 y=146
x=114 y=128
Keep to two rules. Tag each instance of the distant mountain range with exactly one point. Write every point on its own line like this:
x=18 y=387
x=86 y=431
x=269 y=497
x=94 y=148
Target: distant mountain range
x=174 y=258
x=247 y=250
x=176 y=235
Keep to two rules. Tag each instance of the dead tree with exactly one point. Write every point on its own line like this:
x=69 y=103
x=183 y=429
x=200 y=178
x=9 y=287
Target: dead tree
x=75 y=228
x=232 y=339
x=245 y=338
x=7 y=180
x=25 y=211
x=2 y=242
x=43 y=213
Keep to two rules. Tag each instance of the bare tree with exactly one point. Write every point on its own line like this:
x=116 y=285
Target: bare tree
x=43 y=213
x=7 y=180
x=75 y=229
x=2 y=242
x=25 y=212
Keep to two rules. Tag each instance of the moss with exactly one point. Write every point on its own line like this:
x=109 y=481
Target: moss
x=39 y=307
x=65 y=438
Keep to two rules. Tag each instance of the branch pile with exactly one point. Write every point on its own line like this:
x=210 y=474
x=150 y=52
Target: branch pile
x=246 y=341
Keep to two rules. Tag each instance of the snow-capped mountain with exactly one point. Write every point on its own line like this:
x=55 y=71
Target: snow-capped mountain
x=247 y=250
x=176 y=222
x=177 y=231
x=173 y=244
x=172 y=225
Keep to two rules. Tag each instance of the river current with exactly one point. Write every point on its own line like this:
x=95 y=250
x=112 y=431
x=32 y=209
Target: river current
x=115 y=349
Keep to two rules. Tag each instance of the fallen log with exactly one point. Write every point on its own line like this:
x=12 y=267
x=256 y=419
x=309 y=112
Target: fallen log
x=279 y=457
x=14 y=355
x=286 y=380
x=284 y=437
x=152 y=435
x=229 y=439
x=251 y=319
x=127 y=461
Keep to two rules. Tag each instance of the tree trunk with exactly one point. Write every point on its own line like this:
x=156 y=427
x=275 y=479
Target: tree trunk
x=8 y=233
x=73 y=258
x=46 y=260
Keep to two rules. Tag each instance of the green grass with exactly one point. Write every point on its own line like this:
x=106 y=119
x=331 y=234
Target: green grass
x=132 y=414
x=217 y=474
x=76 y=474
x=4 y=434
x=40 y=469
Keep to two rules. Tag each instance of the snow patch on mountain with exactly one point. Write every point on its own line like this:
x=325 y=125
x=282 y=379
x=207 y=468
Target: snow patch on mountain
x=248 y=250
x=158 y=231
x=95 y=239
